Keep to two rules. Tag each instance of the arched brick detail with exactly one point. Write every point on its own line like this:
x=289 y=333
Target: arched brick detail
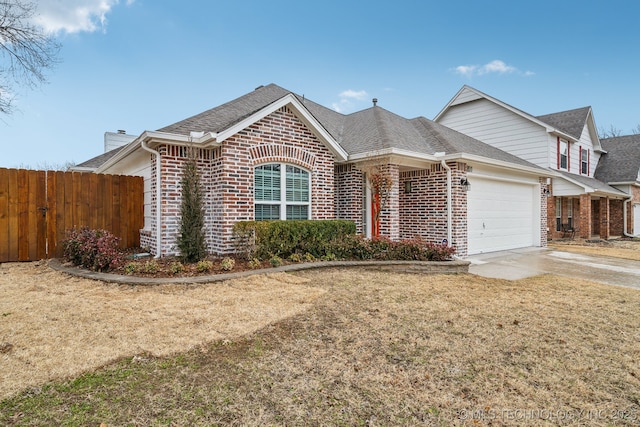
x=269 y=153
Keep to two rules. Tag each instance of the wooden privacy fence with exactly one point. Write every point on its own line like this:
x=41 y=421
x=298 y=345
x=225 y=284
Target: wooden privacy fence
x=37 y=207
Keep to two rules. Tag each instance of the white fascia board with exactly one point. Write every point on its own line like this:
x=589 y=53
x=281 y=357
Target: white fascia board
x=432 y=158
x=594 y=190
x=206 y=140
x=386 y=152
x=556 y=132
x=302 y=113
x=506 y=165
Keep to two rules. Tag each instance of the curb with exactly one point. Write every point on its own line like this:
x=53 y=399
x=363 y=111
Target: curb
x=416 y=267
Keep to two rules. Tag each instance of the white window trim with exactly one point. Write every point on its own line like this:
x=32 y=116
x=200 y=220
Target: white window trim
x=283 y=191
x=584 y=160
x=564 y=144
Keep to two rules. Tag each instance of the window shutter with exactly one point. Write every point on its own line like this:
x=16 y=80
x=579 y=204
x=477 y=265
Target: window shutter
x=580 y=157
x=558 y=153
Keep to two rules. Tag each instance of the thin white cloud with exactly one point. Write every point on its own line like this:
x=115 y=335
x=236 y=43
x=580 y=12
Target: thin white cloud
x=74 y=16
x=494 y=67
x=348 y=99
x=353 y=94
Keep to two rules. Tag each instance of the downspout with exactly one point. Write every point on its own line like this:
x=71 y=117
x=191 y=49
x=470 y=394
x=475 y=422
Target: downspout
x=158 y=198
x=449 y=207
x=624 y=217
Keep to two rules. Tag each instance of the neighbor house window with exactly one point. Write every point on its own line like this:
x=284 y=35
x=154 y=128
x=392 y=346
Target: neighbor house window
x=281 y=192
x=570 y=212
x=584 y=162
x=558 y=213
x=563 y=154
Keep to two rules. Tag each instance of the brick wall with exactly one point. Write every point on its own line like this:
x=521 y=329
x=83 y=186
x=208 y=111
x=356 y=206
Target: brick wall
x=423 y=211
x=227 y=178
x=390 y=214
x=349 y=195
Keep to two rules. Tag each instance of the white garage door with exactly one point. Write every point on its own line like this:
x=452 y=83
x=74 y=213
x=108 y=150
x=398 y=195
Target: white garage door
x=501 y=215
x=636 y=219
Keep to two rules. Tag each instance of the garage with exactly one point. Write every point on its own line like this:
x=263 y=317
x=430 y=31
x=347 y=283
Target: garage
x=636 y=219
x=502 y=215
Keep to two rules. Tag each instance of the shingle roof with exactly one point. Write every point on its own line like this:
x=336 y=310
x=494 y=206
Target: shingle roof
x=570 y=122
x=364 y=131
x=98 y=161
x=594 y=183
x=621 y=163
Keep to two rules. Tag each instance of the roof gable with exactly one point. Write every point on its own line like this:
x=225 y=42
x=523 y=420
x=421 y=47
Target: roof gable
x=468 y=94
x=230 y=118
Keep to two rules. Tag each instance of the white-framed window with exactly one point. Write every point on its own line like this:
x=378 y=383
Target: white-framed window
x=570 y=212
x=584 y=161
x=282 y=191
x=563 y=155
x=558 y=213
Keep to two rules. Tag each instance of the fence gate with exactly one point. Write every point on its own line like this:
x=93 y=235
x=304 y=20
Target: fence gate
x=37 y=207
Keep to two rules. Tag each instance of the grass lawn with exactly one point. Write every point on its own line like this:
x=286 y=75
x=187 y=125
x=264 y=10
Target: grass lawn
x=383 y=349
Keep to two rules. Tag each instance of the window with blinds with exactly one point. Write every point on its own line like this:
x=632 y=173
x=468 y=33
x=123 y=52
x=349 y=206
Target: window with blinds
x=271 y=182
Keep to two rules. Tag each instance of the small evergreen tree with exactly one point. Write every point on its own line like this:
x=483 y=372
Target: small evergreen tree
x=191 y=241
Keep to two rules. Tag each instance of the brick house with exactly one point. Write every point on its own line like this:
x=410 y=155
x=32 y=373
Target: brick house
x=586 y=198
x=271 y=154
x=620 y=168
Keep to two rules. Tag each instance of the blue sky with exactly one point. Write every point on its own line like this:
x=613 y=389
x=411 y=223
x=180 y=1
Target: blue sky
x=140 y=64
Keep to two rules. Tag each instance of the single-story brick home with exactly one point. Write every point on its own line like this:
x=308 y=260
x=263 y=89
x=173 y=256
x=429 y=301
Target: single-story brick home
x=272 y=154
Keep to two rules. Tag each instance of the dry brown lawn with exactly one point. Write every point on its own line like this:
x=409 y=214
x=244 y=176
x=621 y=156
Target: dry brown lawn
x=55 y=326
x=627 y=249
x=336 y=347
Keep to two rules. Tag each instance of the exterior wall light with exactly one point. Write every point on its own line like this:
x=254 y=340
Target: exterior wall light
x=464 y=182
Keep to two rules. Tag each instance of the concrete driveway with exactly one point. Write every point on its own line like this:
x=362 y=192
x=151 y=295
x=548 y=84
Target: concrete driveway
x=521 y=263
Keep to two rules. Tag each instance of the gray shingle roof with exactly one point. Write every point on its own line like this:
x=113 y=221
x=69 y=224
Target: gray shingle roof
x=621 y=163
x=364 y=131
x=98 y=161
x=593 y=183
x=570 y=122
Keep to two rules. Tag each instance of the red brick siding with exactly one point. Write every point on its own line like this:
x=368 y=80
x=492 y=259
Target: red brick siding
x=390 y=214
x=423 y=211
x=349 y=195
x=616 y=217
x=227 y=177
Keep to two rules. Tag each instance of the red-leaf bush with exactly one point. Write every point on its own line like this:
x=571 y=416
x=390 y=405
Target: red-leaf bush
x=381 y=248
x=94 y=249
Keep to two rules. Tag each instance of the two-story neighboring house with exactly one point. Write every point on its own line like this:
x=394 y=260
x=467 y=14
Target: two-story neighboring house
x=620 y=168
x=565 y=143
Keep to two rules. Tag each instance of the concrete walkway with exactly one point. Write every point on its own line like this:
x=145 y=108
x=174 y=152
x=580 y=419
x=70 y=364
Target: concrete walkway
x=521 y=263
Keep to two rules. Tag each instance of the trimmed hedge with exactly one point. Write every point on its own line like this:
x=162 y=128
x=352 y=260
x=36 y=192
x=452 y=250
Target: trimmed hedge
x=265 y=239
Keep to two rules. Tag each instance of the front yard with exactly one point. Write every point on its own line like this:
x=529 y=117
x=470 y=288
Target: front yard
x=328 y=347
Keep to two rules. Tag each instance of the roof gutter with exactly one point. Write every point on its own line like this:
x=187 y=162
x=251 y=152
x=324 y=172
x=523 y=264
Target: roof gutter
x=443 y=163
x=145 y=147
x=206 y=140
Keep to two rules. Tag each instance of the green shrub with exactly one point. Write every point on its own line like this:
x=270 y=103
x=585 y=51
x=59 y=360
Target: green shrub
x=275 y=261
x=150 y=267
x=93 y=249
x=191 y=240
x=176 y=267
x=263 y=239
x=295 y=258
x=131 y=268
x=228 y=264
x=255 y=263
x=204 y=266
